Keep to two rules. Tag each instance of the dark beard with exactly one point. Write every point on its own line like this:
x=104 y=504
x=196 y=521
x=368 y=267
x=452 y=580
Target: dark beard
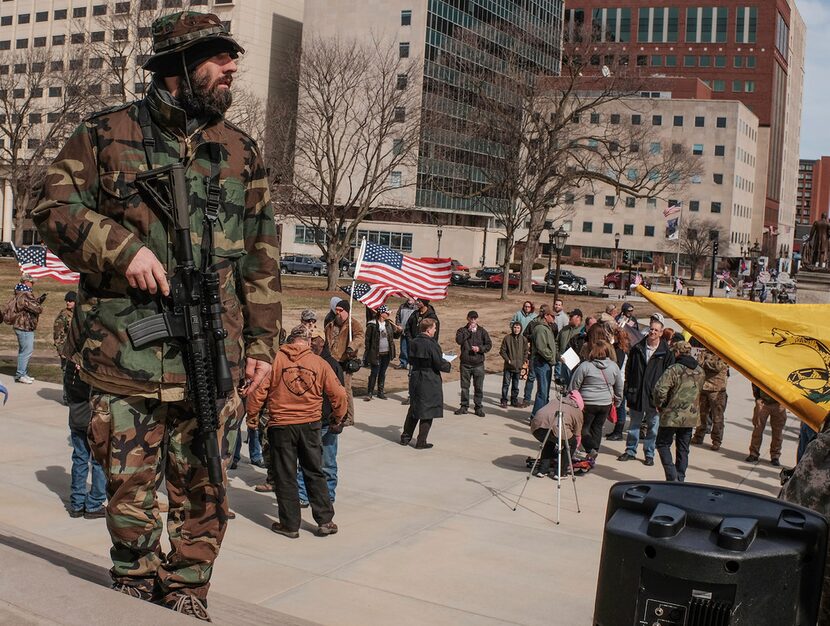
x=204 y=102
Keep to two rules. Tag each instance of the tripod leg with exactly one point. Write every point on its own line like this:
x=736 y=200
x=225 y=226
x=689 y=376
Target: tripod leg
x=573 y=477
x=532 y=467
x=559 y=460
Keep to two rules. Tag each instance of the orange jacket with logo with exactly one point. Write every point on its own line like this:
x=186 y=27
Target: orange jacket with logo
x=298 y=381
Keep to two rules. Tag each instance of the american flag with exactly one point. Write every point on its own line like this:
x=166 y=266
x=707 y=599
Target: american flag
x=40 y=263
x=420 y=278
x=672 y=209
x=372 y=295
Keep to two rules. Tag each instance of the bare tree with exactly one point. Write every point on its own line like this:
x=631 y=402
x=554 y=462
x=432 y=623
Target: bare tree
x=356 y=129
x=42 y=99
x=696 y=238
x=543 y=148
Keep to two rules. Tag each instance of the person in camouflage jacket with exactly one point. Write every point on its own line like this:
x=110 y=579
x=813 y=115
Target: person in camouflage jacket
x=60 y=329
x=677 y=399
x=93 y=216
x=27 y=310
x=712 y=399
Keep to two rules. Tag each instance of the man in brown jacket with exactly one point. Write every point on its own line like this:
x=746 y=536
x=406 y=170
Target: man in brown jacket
x=712 y=399
x=27 y=312
x=546 y=419
x=299 y=380
x=344 y=348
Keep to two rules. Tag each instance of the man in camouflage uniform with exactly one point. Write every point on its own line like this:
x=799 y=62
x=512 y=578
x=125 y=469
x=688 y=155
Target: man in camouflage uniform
x=92 y=215
x=766 y=407
x=60 y=329
x=712 y=399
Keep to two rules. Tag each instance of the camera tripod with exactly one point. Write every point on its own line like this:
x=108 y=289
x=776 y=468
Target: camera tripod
x=569 y=466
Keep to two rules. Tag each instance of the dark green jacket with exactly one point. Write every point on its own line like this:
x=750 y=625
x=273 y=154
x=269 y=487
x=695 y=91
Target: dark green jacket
x=513 y=350
x=544 y=344
x=93 y=217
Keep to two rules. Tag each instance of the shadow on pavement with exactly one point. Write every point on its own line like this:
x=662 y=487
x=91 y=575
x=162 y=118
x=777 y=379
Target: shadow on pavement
x=257 y=507
x=390 y=433
x=73 y=566
x=525 y=443
x=515 y=462
x=57 y=479
x=55 y=395
x=739 y=481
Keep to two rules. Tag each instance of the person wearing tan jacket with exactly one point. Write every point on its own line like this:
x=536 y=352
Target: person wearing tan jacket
x=344 y=348
x=299 y=380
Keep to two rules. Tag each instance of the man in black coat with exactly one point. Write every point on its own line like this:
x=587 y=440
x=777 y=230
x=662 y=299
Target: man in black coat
x=647 y=361
x=424 y=311
x=425 y=391
x=475 y=343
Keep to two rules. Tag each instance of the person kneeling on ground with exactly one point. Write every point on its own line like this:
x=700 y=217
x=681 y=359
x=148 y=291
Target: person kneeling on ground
x=546 y=420
x=425 y=391
x=677 y=400
x=295 y=403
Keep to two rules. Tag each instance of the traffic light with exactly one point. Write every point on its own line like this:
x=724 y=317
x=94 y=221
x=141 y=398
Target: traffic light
x=715 y=248
x=626 y=256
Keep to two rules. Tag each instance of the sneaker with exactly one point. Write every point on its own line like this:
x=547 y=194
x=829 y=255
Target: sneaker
x=405 y=401
x=715 y=447
x=189 y=605
x=133 y=592
x=423 y=446
x=76 y=512
x=282 y=530
x=264 y=488
x=614 y=437
x=625 y=457
x=405 y=439
x=27 y=380
x=324 y=530
x=303 y=504
x=260 y=463
x=96 y=514
x=775 y=462
x=523 y=404
x=367 y=398
x=503 y=404
x=751 y=459
x=234 y=465
x=381 y=395
x=461 y=411
x=479 y=411
x=648 y=461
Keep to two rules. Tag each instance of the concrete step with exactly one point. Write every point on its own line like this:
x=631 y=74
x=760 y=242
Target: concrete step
x=46 y=582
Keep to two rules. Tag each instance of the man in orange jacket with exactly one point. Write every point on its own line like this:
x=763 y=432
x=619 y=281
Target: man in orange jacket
x=295 y=403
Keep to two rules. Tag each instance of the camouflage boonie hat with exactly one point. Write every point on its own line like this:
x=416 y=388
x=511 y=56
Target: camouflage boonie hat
x=180 y=31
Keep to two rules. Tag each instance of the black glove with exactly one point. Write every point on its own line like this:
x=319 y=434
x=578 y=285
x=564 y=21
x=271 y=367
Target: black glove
x=41 y=298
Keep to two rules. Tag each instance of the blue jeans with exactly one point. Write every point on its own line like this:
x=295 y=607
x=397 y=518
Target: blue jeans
x=254 y=446
x=80 y=500
x=404 y=351
x=542 y=371
x=510 y=382
x=637 y=417
x=805 y=436
x=25 y=347
x=329 y=441
x=237 y=450
x=531 y=377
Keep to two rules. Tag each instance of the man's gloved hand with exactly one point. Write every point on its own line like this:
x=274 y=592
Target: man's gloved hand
x=41 y=298
x=350 y=353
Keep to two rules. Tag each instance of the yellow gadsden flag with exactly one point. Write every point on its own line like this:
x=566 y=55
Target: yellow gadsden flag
x=782 y=348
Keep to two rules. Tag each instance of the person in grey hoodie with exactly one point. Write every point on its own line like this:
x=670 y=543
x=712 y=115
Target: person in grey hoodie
x=599 y=380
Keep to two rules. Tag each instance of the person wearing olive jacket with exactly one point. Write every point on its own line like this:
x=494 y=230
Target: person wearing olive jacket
x=514 y=349
x=475 y=343
x=677 y=400
x=544 y=358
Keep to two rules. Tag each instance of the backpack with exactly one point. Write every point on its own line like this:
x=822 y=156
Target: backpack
x=9 y=311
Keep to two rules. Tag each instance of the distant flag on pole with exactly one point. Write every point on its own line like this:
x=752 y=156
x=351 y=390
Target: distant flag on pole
x=372 y=295
x=41 y=263
x=426 y=278
x=672 y=209
x=672 y=215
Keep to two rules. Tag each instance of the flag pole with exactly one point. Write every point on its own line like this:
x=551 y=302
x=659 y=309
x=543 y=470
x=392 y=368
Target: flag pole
x=679 y=223
x=354 y=277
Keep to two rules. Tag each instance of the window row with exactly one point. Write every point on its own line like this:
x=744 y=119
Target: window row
x=94 y=63
x=656 y=120
x=608 y=228
x=714 y=207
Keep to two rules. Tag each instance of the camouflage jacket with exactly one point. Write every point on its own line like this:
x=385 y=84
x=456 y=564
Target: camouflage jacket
x=28 y=311
x=715 y=369
x=60 y=330
x=677 y=394
x=93 y=217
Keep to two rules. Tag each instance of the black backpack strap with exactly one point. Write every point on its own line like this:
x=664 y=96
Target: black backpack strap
x=212 y=203
x=147 y=141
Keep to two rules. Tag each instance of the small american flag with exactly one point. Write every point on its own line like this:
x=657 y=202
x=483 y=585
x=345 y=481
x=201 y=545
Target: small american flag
x=420 y=278
x=672 y=209
x=372 y=295
x=40 y=263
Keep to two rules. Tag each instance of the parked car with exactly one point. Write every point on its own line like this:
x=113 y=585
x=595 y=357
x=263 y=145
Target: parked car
x=301 y=264
x=459 y=266
x=487 y=272
x=570 y=284
x=6 y=249
x=496 y=280
x=617 y=280
x=460 y=273
x=568 y=278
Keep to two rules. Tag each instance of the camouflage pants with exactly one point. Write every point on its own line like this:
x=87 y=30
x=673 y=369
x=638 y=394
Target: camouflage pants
x=712 y=407
x=126 y=435
x=777 y=416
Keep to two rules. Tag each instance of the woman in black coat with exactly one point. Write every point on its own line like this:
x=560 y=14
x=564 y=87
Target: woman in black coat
x=425 y=391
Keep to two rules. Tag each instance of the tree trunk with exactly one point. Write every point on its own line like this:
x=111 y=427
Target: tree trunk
x=528 y=257
x=333 y=268
x=505 y=268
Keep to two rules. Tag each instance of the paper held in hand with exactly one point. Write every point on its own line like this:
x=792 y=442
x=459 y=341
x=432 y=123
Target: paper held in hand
x=570 y=358
x=449 y=358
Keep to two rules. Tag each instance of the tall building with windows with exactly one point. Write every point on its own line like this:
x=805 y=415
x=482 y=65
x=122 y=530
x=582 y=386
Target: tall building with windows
x=112 y=38
x=450 y=161
x=813 y=197
x=751 y=51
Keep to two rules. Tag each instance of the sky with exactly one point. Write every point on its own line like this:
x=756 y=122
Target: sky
x=815 y=123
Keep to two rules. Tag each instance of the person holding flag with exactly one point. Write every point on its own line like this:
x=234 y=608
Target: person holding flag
x=344 y=335
x=26 y=313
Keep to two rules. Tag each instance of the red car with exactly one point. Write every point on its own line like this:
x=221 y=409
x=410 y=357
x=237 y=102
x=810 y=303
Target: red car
x=458 y=266
x=496 y=280
x=617 y=280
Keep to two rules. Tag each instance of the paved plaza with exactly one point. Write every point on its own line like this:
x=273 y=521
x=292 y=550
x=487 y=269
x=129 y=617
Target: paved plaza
x=426 y=536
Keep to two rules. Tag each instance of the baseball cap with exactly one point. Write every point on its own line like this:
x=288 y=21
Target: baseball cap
x=658 y=317
x=627 y=307
x=308 y=316
x=575 y=312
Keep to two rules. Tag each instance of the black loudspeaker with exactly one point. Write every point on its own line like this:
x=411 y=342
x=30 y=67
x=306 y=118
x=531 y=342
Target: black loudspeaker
x=676 y=554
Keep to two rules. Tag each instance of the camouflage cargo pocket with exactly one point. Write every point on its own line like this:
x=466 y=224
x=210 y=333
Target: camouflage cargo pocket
x=100 y=427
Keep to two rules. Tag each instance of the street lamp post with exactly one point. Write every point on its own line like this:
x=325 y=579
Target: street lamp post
x=628 y=284
x=754 y=253
x=616 y=251
x=440 y=234
x=550 y=251
x=559 y=238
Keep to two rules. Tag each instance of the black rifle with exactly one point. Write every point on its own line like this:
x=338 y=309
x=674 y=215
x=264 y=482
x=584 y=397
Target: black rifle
x=193 y=315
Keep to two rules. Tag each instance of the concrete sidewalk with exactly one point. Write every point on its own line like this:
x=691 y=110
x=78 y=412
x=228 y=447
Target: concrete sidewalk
x=425 y=536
